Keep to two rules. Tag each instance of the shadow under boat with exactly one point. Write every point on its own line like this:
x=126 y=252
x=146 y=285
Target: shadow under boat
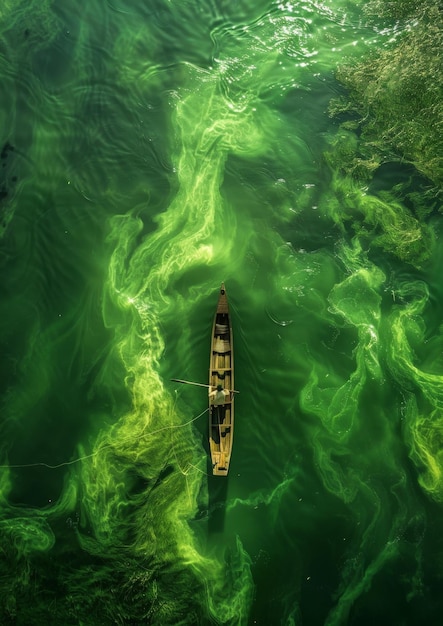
x=217 y=498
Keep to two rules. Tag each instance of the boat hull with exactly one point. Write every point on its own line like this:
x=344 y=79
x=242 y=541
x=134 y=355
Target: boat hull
x=221 y=372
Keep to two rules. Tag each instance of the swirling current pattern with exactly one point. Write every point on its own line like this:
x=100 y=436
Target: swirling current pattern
x=150 y=151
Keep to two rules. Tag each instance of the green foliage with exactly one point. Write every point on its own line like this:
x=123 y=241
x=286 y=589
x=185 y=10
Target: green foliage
x=382 y=221
x=392 y=8
x=396 y=94
x=346 y=157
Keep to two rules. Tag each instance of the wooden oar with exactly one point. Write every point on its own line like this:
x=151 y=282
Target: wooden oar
x=189 y=382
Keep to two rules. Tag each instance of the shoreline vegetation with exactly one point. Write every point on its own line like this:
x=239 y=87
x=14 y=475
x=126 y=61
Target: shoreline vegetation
x=392 y=111
x=390 y=118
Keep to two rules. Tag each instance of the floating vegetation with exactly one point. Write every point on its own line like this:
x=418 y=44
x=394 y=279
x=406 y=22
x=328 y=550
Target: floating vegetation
x=394 y=103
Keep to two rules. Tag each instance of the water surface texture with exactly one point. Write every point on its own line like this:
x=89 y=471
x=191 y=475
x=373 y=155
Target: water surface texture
x=151 y=149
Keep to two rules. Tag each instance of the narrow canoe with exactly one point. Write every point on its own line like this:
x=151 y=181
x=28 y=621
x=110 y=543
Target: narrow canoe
x=221 y=372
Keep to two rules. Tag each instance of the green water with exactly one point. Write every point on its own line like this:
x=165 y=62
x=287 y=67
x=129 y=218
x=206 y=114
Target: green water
x=150 y=151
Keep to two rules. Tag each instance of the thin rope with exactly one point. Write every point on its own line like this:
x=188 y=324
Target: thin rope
x=108 y=445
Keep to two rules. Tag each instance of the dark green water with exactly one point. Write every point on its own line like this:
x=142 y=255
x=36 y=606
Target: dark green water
x=151 y=150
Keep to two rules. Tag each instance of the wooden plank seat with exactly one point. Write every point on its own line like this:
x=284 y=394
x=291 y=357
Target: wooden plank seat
x=221 y=329
x=222 y=346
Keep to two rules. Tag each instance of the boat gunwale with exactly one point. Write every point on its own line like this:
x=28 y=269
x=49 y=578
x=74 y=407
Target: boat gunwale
x=222 y=308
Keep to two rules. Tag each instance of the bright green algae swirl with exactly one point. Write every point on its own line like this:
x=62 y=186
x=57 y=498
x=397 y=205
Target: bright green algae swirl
x=153 y=444
x=424 y=399
x=346 y=409
x=189 y=234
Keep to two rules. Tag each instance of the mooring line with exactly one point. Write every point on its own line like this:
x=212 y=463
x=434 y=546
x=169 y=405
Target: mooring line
x=108 y=445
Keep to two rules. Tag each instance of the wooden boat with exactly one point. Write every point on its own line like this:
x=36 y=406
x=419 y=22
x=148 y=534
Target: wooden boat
x=221 y=372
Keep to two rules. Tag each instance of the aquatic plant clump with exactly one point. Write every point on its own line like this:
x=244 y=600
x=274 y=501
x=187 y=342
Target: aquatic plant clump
x=395 y=97
x=394 y=8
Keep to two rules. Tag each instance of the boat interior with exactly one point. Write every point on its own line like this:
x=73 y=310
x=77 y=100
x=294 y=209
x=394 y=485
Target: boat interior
x=221 y=416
